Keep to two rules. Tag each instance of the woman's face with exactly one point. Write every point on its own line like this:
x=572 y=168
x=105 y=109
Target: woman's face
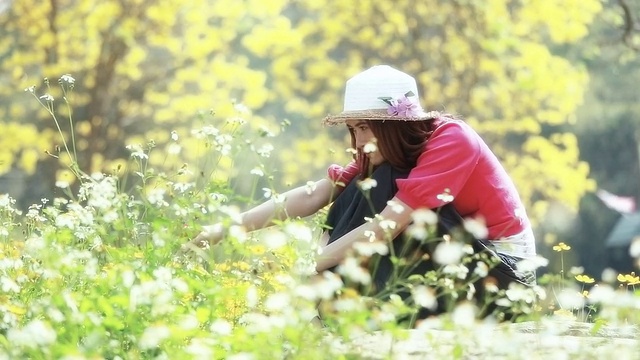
x=365 y=140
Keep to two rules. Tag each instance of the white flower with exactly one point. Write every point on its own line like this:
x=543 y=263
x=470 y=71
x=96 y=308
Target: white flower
x=395 y=207
x=153 y=336
x=47 y=97
x=156 y=197
x=299 y=231
x=310 y=187
x=35 y=333
x=371 y=235
x=238 y=232
x=31 y=89
x=274 y=239
x=257 y=322
x=531 y=263
x=477 y=228
x=424 y=297
x=257 y=171
x=417 y=232
x=424 y=216
x=252 y=297
x=329 y=285
x=128 y=278
x=157 y=240
x=351 y=269
x=241 y=108
x=163 y=274
x=206 y=131
x=481 y=269
x=464 y=315
x=174 y=135
x=347 y=305
x=265 y=150
x=602 y=294
x=221 y=327
x=277 y=302
x=217 y=197
x=609 y=275
x=576 y=270
x=388 y=224
x=448 y=252
x=518 y=292
x=570 y=299
x=137 y=151
x=200 y=348
x=634 y=249
x=445 y=197
x=66 y=220
x=456 y=270
x=370 y=248
x=267 y=192
x=189 y=322
x=6 y=201
x=367 y=184
x=55 y=315
x=369 y=148
x=175 y=149
x=66 y=78
x=7 y=285
x=182 y=187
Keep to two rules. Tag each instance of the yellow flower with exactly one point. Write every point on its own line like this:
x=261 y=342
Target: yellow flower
x=563 y=313
x=16 y=310
x=630 y=279
x=257 y=249
x=223 y=267
x=241 y=265
x=585 y=294
x=200 y=270
x=585 y=279
x=561 y=247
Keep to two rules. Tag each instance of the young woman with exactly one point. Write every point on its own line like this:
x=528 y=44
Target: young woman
x=420 y=160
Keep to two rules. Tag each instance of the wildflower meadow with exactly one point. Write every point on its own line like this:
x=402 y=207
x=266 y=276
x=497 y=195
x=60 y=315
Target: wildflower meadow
x=99 y=272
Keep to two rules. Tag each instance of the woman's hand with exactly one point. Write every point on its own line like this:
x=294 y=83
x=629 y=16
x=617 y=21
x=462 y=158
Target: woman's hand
x=209 y=236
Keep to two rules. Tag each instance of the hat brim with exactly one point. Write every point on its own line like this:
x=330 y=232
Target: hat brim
x=381 y=114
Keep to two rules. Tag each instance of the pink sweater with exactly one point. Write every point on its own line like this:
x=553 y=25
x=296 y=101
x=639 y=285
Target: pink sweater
x=456 y=161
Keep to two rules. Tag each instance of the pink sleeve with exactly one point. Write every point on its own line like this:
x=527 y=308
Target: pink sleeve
x=343 y=175
x=451 y=154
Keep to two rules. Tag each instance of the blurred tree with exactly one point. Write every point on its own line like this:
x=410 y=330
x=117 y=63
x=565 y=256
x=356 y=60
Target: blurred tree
x=607 y=125
x=142 y=69
x=625 y=15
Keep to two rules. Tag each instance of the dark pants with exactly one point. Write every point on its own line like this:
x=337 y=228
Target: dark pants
x=353 y=205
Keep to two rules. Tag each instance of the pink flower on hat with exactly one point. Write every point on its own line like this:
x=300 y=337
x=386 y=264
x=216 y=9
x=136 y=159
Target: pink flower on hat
x=403 y=106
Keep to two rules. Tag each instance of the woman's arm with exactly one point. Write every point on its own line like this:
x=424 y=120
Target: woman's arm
x=299 y=202
x=334 y=253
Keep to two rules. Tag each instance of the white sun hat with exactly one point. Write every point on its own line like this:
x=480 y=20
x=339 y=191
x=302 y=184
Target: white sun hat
x=381 y=93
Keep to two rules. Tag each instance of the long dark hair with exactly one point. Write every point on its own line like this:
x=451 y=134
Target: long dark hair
x=399 y=142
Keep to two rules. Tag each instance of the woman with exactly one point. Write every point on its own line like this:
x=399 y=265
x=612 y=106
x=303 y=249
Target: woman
x=423 y=160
